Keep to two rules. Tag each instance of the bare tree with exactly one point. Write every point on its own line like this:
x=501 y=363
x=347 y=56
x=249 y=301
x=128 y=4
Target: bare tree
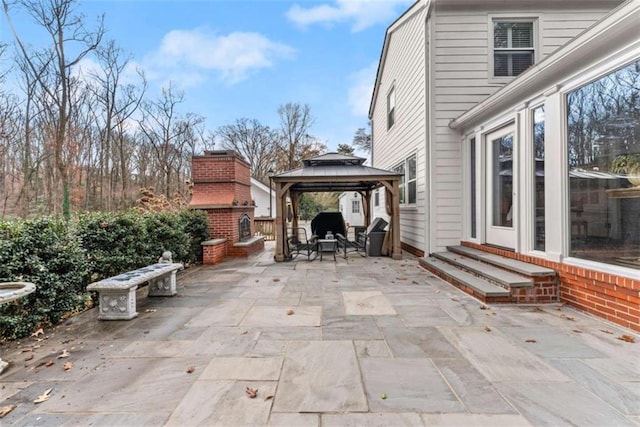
x=295 y=124
x=117 y=101
x=168 y=134
x=52 y=68
x=257 y=143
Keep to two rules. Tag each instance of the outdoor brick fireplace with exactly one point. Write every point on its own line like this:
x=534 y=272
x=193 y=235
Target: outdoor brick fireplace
x=222 y=188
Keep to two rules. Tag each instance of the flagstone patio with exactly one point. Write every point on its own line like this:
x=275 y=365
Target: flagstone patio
x=356 y=342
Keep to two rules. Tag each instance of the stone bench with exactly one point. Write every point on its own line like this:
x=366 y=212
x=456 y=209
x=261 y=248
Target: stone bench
x=118 y=293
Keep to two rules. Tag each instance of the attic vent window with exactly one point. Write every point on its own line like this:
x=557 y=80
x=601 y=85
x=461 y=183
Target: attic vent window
x=513 y=47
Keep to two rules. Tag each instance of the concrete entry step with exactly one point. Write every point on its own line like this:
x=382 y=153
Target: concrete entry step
x=493 y=274
x=476 y=286
x=503 y=262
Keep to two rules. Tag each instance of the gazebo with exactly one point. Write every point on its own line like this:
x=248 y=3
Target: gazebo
x=336 y=172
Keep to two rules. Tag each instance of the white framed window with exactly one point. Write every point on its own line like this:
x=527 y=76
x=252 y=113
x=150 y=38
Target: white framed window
x=408 y=180
x=391 y=107
x=514 y=46
x=355 y=206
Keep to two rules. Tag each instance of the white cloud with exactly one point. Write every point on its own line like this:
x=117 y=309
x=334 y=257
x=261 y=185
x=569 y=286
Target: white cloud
x=188 y=56
x=361 y=13
x=361 y=89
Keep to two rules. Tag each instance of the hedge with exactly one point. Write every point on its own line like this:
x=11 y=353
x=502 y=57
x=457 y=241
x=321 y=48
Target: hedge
x=62 y=258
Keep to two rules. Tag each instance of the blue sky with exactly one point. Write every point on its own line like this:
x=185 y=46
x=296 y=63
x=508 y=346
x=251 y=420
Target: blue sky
x=244 y=58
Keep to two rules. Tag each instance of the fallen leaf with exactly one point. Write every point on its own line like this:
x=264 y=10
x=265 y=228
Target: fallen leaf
x=6 y=409
x=67 y=366
x=570 y=318
x=276 y=279
x=44 y=396
x=268 y=396
x=251 y=392
x=484 y=307
x=413 y=282
x=455 y=299
x=383 y=396
x=606 y=331
x=25 y=350
x=577 y=331
x=401 y=278
x=29 y=357
x=491 y=313
x=49 y=363
x=626 y=338
x=38 y=333
x=64 y=354
x=488 y=329
x=244 y=332
x=191 y=369
x=530 y=341
x=290 y=312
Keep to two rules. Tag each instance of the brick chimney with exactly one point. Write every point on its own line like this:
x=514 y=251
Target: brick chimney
x=222 y=188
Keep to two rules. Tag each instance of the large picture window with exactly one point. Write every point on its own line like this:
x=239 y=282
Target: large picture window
x=603 y=123
x=513 y=47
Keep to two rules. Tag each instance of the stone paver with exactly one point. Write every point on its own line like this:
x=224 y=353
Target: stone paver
x=356 y=342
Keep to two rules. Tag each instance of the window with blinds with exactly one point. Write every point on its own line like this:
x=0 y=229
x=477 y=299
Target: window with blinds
x=513 y=48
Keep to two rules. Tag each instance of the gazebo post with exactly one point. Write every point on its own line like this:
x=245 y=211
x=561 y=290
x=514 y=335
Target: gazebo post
x=281 y=230
x=367 y=209
x=295 y=205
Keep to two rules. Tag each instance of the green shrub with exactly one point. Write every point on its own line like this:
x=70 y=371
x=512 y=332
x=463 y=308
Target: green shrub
x=196 y=226
x=45 y=252
x=62 y=258
x=115 y=242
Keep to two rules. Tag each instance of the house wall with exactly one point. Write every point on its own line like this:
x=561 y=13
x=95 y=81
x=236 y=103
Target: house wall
x=404 y=69
x=345 y=202
x=260 y=196
x=461 y=78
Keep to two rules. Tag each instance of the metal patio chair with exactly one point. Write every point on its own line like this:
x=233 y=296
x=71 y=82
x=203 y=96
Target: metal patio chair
x=299 y=243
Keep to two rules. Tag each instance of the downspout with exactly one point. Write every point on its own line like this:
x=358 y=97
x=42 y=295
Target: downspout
x=428 y=132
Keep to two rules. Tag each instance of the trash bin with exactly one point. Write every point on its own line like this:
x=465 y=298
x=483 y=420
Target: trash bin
x=374 y=243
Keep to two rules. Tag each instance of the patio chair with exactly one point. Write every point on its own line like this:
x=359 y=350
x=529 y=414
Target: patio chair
x=357 y=244
x=299 y=243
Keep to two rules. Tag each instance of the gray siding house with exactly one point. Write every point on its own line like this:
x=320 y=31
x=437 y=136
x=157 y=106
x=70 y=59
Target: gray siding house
x=516 y=125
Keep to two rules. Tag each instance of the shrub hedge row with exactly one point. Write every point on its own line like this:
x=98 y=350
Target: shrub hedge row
x=62 y=258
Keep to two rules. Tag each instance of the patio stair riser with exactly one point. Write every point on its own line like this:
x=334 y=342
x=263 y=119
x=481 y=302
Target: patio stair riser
x=483 y=274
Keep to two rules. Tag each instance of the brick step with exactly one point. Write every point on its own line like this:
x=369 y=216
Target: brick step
x=476 y=286
x=486 y=271
x=520 y=267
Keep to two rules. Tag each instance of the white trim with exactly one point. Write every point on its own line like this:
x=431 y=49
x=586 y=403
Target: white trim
x=602 y=267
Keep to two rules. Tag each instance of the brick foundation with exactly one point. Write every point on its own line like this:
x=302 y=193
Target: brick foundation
x=214 y=251
x=611 y=297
